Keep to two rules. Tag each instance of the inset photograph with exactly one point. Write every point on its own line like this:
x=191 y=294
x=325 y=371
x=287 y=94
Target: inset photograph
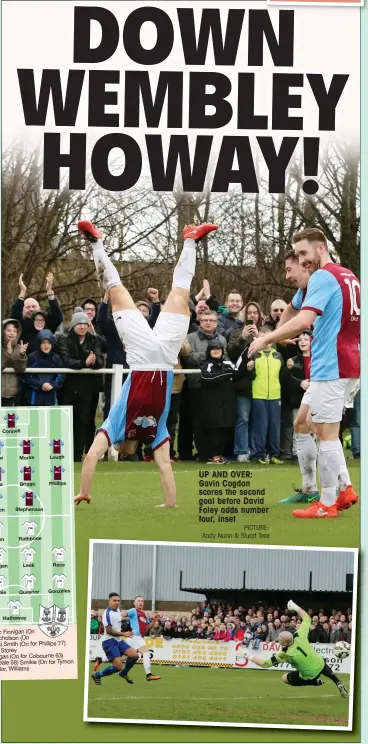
x=220 y=635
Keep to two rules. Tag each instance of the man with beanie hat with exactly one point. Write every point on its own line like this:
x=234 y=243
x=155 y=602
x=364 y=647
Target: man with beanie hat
x=80 y=349
x=140 y=413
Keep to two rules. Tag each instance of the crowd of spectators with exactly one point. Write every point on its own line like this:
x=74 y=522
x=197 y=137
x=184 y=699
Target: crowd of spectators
x=233 y=409
x=226 y=622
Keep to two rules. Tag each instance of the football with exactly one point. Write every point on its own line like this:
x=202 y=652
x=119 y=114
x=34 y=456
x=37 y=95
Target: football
x=342 y=649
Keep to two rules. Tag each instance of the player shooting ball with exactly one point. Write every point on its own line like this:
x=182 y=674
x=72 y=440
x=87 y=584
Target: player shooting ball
x=297 y=651
x=141 y=411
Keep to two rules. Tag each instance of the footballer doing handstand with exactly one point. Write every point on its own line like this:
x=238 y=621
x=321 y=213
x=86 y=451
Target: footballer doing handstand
x=297 y=651
x=140 y=413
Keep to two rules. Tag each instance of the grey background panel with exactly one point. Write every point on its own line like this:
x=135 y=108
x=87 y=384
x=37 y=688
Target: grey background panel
x=129 y=569
x=106 y=569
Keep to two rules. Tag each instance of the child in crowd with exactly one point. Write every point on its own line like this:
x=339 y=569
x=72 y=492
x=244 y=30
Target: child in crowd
x=41 y=388
x=14 y=356
x=218 y=398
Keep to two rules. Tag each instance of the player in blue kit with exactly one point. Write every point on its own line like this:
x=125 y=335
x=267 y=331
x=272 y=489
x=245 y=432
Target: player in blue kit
x=332 y=305
x=113 y=646
x=141 y=411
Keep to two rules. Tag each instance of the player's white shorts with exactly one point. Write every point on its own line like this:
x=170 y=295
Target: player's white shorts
x=305 y=398
x=328 y=398
x=135 y=641
x=151 y=347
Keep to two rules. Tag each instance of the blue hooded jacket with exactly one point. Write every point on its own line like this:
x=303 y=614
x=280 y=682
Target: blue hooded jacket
x=33 y=383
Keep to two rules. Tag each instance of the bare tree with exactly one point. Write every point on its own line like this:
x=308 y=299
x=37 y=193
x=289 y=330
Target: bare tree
x=143 y=231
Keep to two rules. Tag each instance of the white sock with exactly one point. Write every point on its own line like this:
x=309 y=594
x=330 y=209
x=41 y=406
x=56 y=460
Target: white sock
x=147 y=662
x=344 y=477
x=106 y=271
x=329 y=466
x=307 y=456
x=185 y=268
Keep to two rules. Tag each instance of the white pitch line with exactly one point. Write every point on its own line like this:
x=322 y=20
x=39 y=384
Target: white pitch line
x=258 y=697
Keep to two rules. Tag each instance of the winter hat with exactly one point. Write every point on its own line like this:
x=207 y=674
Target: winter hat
x=257 y=305
x=78 y=309
x=79 y=318
x=18 y=326
x=214 y=343
x=90 y=301
x=143 y=302
x=39 y=312
x=46 y=334
x=13 y=322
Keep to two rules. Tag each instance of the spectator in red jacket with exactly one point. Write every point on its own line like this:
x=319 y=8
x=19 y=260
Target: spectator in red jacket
x=222 y=634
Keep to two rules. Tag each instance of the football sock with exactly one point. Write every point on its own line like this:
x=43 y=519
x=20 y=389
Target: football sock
x=344 y=477
x=129 y=664
x=147 y=662
x=327 y=672
x=107 y=671
x=185 y=268
x=329 y=466
x=103 y=264
x=307 y=456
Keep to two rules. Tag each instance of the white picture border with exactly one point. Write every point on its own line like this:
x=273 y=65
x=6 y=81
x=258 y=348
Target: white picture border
x=219 y=546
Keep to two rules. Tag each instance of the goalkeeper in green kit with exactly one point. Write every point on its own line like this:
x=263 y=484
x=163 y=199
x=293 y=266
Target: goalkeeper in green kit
x=297 y=651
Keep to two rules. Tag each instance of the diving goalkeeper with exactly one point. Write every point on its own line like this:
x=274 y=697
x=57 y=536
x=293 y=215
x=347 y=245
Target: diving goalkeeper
x=297 y=651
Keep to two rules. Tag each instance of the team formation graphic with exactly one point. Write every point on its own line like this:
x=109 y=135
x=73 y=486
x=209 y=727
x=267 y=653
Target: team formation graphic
x=36 y=537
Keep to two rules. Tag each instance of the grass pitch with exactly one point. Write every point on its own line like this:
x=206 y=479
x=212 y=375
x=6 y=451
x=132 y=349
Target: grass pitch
x=122 y=507
x=124 y=497
x=217 y=695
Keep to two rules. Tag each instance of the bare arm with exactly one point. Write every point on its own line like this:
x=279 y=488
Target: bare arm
x=111 y=631
x=265 y=663
x=162 y=460
x=303 y=320
x=287 y=315
x=99 y=447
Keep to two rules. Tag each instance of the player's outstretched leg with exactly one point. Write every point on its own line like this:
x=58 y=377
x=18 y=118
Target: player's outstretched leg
x=327 y=672
x=133 y=329
x=97 y=676
x=106 y=271
x=293 y=679
x=147 y=664
x=328 y=470
x=129 y=664
x=307 y=457
x=177 y=301
x=97 y=663
x=347 y=495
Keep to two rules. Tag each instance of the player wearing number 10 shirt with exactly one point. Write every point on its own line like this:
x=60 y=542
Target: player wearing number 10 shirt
x=331 y=303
